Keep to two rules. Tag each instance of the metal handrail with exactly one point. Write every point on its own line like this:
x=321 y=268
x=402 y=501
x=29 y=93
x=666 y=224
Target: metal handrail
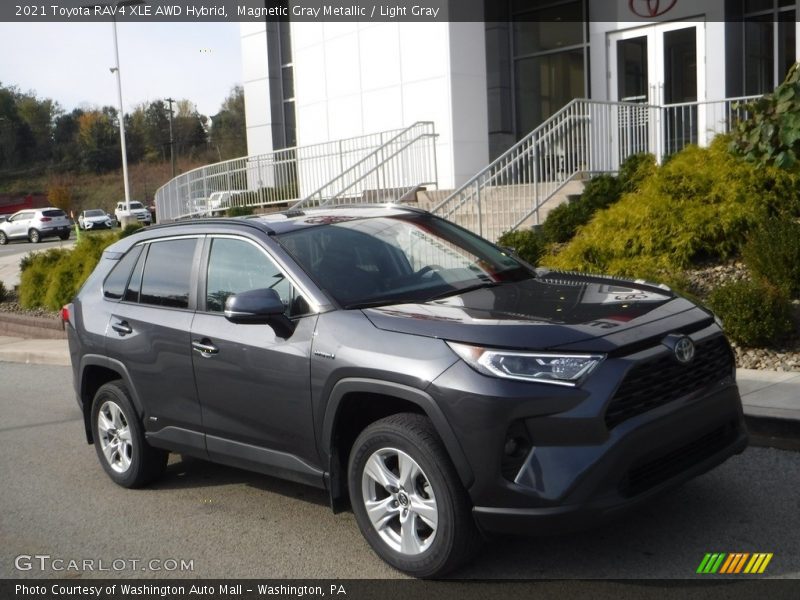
x=584 y=137
x=357 y=166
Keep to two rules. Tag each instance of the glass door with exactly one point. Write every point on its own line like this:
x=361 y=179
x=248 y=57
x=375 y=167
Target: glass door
x=660 y=66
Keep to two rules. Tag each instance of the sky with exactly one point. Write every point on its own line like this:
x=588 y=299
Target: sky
x=69 y=62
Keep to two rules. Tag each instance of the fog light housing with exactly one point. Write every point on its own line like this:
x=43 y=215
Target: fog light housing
x=516 y=447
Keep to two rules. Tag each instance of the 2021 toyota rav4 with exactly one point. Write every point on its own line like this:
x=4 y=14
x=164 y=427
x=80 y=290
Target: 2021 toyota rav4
x=434 y=381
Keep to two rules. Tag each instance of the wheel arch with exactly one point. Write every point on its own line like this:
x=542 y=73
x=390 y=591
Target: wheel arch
x=95 y=372
x=354 y=404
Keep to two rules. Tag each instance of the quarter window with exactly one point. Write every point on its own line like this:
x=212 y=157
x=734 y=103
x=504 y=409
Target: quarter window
x=166 y=280
x=114 y=285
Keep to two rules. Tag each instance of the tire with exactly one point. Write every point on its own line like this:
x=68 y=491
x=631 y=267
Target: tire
x=64 y=236
x=3 y=238
x=425 y=527
x=119 y=439
x=34 y=236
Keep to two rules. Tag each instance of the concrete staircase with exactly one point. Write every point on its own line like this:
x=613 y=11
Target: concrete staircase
x=501 y=205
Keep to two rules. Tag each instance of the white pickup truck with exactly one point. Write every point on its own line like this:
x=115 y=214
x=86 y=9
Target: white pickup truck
x=137 y=210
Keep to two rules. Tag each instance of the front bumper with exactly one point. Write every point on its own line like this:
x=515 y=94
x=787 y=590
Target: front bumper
x=581 y=468
x=648 y=461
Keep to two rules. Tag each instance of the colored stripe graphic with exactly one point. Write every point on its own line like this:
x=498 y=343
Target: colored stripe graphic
x=734 y=563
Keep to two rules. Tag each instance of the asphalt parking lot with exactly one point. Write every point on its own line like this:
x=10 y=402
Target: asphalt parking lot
x=57 y=501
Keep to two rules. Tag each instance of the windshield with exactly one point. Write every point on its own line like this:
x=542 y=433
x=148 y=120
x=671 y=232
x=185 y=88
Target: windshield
x=135 y=205
x=398 y=259
x=95 y=213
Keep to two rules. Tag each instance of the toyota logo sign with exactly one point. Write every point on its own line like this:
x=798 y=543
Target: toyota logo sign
x=650 y=9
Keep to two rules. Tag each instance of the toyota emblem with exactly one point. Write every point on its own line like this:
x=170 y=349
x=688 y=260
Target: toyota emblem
x=649 y=9
x=684 y=350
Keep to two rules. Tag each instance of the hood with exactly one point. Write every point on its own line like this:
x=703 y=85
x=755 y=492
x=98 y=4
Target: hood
x=554 y=311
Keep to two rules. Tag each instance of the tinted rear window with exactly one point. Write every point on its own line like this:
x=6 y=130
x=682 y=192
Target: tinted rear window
x=54 y=213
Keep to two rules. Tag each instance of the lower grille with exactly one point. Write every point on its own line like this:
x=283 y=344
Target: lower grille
x=649 y=474
x=659 y=381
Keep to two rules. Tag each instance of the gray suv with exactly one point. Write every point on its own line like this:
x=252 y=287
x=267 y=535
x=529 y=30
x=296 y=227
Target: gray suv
x=437 y=384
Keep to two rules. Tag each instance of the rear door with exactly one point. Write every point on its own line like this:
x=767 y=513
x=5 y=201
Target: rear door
x=253 y=385
x=149 y=333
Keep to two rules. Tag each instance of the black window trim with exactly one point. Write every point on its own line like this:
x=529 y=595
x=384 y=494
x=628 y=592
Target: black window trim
x=193 y=279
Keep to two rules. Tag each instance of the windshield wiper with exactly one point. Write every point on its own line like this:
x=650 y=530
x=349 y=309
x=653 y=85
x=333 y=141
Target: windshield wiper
x=464 y=290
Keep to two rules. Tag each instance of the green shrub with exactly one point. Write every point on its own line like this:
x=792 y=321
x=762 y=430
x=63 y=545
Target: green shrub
x=634 y=170
x=701 y=205
x=34 y=280
x=754 y=313
x=25 y=261
x=53 y=277
x=772 y=253
x=129 y=229
x=527 y=243
x=771 y=134
x=563 y=221
x=239 y=211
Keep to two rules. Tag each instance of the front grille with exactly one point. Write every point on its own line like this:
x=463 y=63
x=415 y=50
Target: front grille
x=649 y=474
x=656 y=382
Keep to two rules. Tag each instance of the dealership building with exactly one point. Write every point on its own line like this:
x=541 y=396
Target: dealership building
x=485 y=85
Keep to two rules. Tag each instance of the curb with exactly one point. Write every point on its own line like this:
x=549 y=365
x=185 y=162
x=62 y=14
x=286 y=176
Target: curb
x=31 y=327
x=773 y=432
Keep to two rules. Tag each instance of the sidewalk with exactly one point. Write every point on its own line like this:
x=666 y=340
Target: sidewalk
x=771 y=399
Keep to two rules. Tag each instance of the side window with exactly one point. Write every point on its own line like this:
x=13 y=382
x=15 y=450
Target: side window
x=114 y=285
x=167 y=275
x=237 y=266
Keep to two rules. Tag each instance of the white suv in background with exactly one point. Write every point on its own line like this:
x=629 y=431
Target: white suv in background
x=137 y=210
x=35 y=224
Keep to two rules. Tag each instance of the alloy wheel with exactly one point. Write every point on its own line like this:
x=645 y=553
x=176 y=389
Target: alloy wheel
x=115 y=436
x=399 y=501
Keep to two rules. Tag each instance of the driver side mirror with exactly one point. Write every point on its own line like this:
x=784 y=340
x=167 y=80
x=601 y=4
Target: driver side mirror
x=261 y=306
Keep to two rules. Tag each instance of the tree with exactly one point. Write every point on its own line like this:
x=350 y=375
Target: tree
x=66 y=152
x=189 y=129
x=228 y=131
x=98 y=140
x=60 y=196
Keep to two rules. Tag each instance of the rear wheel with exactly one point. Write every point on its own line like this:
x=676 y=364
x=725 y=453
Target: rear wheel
x=64 y=236
x=408 y=500
x=119 y=439
x=34 y=236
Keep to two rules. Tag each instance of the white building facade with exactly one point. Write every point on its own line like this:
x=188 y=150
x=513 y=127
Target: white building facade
x=487 y=84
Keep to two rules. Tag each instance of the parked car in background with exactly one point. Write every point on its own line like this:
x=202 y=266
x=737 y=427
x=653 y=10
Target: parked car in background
x=35 y=225
x=95 y=218
x=426 y=377
x=138 y=210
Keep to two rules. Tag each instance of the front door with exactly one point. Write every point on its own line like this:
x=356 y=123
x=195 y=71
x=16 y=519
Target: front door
x=660 y=66
x=253 y=383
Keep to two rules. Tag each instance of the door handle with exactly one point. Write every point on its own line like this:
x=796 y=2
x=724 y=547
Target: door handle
x=122 y=327
x=204 y=347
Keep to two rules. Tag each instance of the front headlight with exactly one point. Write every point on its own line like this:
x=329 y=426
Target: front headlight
x=544 y=367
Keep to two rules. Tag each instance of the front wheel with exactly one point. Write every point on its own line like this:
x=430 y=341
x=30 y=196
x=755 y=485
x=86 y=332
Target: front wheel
x=34 y=237
x=407 y=498
x=119 y=439
x=3 y=238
